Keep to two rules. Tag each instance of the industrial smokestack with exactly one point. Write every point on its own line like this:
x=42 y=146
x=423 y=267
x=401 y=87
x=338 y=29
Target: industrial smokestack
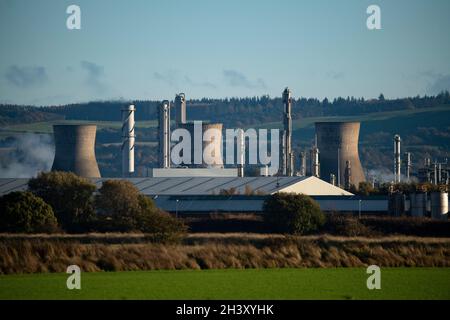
x=347 y=175
x=397 y=161
x=180 y=109
x=315 y=164
x=241 y=152
x=164 y=134
x=338 y=142
x=75 y=150
x=302 y=171
x=333 y=179
x=408 y=166
x=283 y=153
x=128 y=140
x=288 y=157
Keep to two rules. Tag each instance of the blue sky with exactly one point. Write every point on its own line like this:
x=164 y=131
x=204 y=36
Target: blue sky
x=152 y=49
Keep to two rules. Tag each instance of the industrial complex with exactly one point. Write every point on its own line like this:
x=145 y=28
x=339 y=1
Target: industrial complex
x=199 y=185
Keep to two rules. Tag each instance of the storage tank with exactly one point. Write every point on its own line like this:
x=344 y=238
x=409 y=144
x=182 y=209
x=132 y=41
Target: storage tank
x=338 y=143
x=396 y=204
x=75 y=150
x=439 y=205
x=418 y=204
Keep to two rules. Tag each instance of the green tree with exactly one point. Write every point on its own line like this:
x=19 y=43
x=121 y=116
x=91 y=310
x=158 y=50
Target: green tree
x=118 y=201
x=70 y=196
x=24 y=212
x=124 y=208
x=292 y=213
x=153 y=220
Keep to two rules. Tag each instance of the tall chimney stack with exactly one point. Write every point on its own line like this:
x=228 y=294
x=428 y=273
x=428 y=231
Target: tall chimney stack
x=288 y=157
x=180 y=109
x=397 y=161
x=347 y=175
x=128 y=140
x=302 y=171
x=164 y=134
x=241 y=153
x=408 y=166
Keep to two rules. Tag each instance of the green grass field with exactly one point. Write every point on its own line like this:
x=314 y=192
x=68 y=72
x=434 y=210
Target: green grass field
x=339 y=283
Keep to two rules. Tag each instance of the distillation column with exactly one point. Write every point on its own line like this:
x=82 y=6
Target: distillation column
x=288 y=159
x=397 y=161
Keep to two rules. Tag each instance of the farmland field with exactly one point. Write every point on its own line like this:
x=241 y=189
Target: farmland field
x=311 y=283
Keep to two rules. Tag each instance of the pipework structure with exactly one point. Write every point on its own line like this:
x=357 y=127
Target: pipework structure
x=287 y=155
x=347 y=175
x=338 y=143
x=180 y=109
x=164 y=134
x=397 y=160
x=315 y=164
x=241 y=152
x=128 y=140
x=75 y=150
x=302 y=171
x=408 y=166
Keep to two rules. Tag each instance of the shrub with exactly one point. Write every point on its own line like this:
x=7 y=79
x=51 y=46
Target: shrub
x=24 y=212
x=122 y=206
x=118 y=203
x=348 y=226
x=161 y=224
x=292 y=213
x=70 y=196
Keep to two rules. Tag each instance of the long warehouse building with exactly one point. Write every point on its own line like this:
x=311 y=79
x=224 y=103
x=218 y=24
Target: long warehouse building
x=206 y=194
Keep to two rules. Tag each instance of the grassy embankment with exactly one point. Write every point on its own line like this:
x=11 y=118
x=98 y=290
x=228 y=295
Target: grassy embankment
x=125 y=252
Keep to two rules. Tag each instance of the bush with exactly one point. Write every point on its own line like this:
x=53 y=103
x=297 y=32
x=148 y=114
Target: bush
x=292 y=213
x=347 y=226
x=124 y=209
x=24 y=212
x=118 y=205
x=161 y=224
x=70 y=196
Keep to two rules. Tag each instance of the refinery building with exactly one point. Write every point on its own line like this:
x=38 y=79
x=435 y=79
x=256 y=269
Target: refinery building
x=327 y=170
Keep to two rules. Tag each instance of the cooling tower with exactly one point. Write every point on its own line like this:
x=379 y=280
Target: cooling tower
x=217 y=145
x=75 y=150
x=338 y=143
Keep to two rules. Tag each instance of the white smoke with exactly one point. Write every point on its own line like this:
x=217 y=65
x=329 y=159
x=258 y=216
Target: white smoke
x=31 y=154
x=383 y=175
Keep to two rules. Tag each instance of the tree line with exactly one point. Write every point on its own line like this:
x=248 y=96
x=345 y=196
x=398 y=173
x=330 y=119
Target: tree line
x=230 y=111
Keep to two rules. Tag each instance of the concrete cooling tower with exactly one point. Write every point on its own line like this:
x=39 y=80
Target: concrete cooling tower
x=75 y=150
x=217 y=144
x=338 y=143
